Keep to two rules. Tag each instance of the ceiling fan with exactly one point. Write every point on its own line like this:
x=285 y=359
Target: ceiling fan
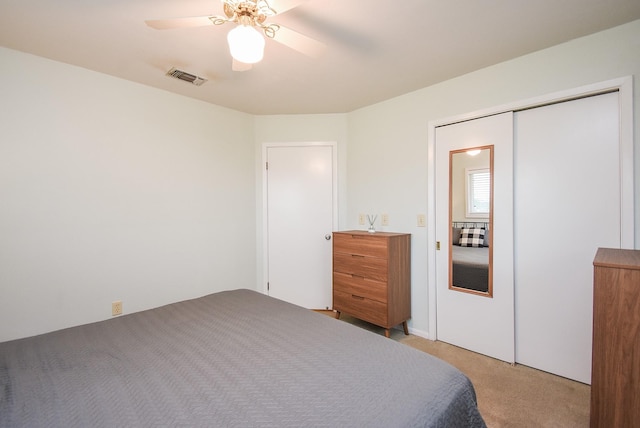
x=246 y=40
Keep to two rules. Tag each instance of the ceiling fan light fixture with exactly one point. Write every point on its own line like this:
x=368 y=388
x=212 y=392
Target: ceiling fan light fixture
x=246 y=44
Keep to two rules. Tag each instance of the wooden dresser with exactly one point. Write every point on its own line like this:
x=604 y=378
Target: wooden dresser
x=372 y=277
x=615 y=373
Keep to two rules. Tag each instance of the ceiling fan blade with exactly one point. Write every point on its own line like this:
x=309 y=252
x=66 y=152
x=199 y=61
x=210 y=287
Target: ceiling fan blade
x=281 y=6
x=300 y=42
x=168 y=24
x=240 y=66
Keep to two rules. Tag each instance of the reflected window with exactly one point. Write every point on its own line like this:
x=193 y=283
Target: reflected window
x=478 y=192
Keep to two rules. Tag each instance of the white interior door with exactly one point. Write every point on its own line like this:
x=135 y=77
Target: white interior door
x=567 y=204
x=478 y=323
x=300 y=214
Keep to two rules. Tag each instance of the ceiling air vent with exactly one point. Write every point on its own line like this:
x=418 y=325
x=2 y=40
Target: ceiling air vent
x=187 y=77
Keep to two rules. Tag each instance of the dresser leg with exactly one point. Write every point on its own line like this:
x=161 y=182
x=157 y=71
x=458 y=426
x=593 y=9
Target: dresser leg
x=386 y=332
x=337 y=315
x=406 y=329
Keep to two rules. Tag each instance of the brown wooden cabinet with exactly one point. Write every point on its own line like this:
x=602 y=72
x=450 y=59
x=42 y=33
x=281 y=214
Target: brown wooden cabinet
x=372 y=277
x=615 y=374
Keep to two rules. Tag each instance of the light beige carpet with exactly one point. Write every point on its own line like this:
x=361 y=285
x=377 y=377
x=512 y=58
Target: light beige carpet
x=508 y=396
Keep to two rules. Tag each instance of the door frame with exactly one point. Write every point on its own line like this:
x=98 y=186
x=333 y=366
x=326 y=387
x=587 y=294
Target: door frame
x=265 y=217
x=623 y=85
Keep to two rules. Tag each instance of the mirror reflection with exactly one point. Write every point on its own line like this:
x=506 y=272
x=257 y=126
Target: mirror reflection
x=470 y=204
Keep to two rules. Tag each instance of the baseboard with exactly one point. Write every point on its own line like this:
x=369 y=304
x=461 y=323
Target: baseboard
x=421 y=333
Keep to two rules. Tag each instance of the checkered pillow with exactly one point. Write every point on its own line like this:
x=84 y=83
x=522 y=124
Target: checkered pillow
x=472 y=237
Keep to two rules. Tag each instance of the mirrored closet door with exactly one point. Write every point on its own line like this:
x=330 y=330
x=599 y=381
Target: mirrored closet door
x=560 y=191
x=474 y=187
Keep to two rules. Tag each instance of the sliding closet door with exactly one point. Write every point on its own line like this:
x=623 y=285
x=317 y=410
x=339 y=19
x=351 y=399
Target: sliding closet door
x=480 y=323
x=566 y=205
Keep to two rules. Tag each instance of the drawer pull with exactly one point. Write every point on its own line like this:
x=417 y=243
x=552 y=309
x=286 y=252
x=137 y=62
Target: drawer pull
x=353 y=275
x=357 y=297
x=357 y=255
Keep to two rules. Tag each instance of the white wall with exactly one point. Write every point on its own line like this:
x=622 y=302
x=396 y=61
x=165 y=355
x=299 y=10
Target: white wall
x=108 y=193
x=387 y=150
x=114 y=190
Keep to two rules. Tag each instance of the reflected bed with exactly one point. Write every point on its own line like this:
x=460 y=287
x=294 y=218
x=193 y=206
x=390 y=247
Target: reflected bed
x=469 y=256
x=471 y=267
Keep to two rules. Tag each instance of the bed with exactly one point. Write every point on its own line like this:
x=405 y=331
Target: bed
x=230 y=359
x=470 y=258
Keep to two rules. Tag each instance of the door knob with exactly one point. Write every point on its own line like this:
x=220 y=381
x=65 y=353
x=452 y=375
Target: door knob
x=327 y=237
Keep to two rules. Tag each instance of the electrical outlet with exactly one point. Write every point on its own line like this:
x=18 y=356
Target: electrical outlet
x=422 y=220
x=385 y=219
x=361 y=218
x=116 y=308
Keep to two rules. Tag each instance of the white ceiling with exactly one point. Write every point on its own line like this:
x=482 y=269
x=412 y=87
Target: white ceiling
x=376 y=49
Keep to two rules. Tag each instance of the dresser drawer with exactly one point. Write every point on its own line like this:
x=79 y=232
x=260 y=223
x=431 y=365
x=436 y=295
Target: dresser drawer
x=368 y=267
x=363 y=287
x=360 y=307
x=364 y=244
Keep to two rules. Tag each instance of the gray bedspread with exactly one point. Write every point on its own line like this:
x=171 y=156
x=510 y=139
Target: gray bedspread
x=230 y=359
